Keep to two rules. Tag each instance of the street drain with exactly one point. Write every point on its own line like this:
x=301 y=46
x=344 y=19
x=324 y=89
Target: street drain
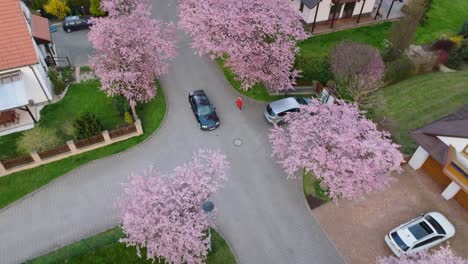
x=237 y=142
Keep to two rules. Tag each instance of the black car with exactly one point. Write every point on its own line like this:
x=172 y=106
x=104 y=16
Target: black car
x=204 y=112
x=72 y=23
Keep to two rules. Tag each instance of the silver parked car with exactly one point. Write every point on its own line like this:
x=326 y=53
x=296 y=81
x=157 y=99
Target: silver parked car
x=275 y=111
x=420 y=233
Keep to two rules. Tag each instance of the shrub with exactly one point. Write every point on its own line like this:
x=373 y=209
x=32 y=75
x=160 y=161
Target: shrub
x=121 y=104
x=443 y=44
x=67 y=73
x=58 y=8
x=95 y=8
x=464 y=30
x=86 y=125
x=128 y=118
x=457 y=40
x=455 y=60
x=313 y=69
x=57 y=81
x=38 y=139
x=85 y=68
x=464 y=50
x=399 y=70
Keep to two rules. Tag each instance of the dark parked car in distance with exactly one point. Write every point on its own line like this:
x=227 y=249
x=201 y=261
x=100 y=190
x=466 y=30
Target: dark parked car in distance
x=204 y=112
x=73 y=23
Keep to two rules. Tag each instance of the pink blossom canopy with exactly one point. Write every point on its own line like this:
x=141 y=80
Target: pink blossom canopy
x=257 y=38
x=442 y=256
x=130 y=52
x=339 y=145
x=163 y=212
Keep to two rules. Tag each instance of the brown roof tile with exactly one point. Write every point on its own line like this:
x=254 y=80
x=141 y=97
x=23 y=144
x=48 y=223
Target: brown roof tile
x=41 y=28
x=454 y=125
x=16 y=43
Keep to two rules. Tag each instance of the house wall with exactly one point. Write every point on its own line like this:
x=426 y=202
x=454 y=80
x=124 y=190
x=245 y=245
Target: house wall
x=324 y=10
x=434 y=170
x=458 y=143
x=32 y=87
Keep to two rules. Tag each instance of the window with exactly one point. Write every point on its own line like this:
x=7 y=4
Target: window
x=435 y=224
x=399 y=242
x=10 y=77
x=420 y=230
x=430 y=240
x=301 y=7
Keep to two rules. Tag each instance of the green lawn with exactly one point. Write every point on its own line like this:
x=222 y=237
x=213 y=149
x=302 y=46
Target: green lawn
x=311 y=186
x=81 y=97
x=445 y=18
x=17 y=185
x=423 y=99
x=321 y=45
x=104 y=248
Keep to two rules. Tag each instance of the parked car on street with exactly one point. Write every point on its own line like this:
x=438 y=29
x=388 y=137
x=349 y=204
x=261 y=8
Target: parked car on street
x=73 y=23
x=204 y=112
x=275 y=111
x=421 y=233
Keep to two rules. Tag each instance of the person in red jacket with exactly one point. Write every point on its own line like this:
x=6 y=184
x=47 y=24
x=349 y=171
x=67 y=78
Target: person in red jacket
x=239 y=103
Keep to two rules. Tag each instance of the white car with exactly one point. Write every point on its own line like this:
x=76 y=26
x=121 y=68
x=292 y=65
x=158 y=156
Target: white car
x=420 y=233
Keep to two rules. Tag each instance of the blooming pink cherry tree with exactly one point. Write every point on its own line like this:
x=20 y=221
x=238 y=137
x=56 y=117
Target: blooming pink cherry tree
x=130 y=52
x=443 y=255
x=339 y=145
x=163 y=212
x=257 y=38
x=125 y=7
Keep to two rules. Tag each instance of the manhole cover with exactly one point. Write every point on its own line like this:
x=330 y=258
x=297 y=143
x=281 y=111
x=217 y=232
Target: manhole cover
x=237 y=142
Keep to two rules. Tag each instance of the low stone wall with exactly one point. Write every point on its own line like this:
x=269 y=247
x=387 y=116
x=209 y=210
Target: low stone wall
x=72 y=148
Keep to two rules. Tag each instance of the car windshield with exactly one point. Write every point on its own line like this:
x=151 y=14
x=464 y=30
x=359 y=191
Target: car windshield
x=399 y=242
x=420 y=230
x=435 y=224
x=204 y=110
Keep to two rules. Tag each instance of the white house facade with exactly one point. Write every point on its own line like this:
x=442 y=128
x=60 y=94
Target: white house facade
x=26 y=50
x=317 y=11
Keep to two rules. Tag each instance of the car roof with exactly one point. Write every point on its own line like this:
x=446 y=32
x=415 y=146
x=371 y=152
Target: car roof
x=69 y=18
x=200 y=97
x=284 y=105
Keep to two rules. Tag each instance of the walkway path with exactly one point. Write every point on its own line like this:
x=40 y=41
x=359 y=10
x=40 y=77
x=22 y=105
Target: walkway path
x=261 y=214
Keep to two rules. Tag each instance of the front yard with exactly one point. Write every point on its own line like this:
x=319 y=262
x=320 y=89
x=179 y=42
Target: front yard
x=423 y=99
x=80 y=97
x=105 y=248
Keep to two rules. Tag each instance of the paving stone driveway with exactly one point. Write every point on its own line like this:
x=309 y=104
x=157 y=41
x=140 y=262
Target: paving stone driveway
x=261 y=214
x=358 y=228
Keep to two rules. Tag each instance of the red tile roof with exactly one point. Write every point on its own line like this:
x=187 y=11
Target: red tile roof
x=16 y=43
x=41 y=28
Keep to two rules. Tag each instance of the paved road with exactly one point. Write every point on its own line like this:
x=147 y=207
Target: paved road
x=75 y=45
x=261 y=214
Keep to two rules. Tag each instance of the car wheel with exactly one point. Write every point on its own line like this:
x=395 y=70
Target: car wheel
x=280 y=123
x=68 y=30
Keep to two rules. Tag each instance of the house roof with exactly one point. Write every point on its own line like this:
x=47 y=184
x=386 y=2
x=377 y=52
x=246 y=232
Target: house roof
x=310 y=3
x=16 y=44
x=41 y=28
x=454 y=125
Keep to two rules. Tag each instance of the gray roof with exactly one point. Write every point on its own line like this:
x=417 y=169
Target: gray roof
x=454 y=125
x=310 y=3
x=284 y=104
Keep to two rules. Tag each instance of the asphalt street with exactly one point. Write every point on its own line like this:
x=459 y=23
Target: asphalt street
x=260 y=213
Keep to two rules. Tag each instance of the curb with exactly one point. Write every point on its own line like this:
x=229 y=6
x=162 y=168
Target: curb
x=31 y=194
x=324 y=231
